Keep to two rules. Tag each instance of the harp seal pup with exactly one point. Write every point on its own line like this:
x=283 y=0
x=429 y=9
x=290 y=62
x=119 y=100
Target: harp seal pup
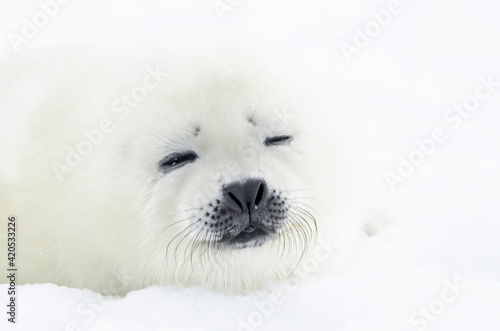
x=204 y=164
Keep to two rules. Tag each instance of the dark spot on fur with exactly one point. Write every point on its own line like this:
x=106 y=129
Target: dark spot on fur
x=251 y=120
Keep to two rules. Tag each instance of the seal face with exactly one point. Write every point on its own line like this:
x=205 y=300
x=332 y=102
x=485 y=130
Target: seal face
x=191 y=167
x=248 y=205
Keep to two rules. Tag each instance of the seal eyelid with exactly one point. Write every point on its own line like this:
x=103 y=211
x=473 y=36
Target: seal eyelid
x=177 y=160
x=277 y=140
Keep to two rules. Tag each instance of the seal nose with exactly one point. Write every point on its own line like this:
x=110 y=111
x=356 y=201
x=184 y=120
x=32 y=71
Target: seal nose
x=246 y=196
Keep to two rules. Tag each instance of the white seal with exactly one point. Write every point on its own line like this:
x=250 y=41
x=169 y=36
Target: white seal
x=196 y=165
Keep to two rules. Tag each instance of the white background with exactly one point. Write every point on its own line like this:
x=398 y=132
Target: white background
x=396 y=90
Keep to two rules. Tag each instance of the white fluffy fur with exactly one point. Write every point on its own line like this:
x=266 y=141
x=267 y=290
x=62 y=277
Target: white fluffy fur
x=106 y=226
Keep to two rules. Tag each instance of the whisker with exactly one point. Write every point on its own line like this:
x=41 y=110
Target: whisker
x=166 y=228
x=173 y=239
x=183 y=238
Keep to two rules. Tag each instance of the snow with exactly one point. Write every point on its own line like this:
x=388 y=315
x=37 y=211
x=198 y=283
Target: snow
x=436 y=267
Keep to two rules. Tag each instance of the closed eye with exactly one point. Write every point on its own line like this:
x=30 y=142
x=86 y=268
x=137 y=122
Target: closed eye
x=177 y=160
x=277 y=140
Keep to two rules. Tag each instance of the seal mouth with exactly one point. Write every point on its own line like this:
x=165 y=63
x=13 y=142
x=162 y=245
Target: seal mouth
x=251 y=236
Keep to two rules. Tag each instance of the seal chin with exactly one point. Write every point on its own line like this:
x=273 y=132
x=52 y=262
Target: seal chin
x=249 y=237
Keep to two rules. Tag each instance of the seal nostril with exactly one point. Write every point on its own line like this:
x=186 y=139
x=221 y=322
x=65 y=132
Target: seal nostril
x=260 y=193
x=235 y=199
